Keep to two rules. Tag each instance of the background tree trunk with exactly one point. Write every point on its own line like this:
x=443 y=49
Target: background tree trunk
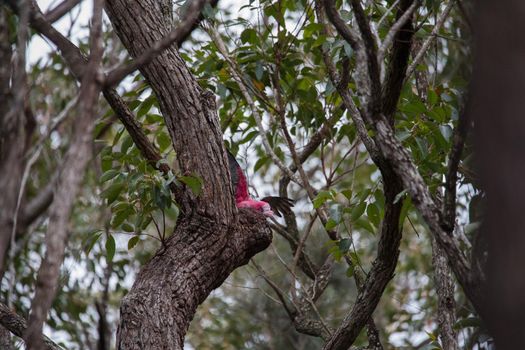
x=497 y=106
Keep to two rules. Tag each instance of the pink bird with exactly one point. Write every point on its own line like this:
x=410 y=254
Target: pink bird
x=269 y=206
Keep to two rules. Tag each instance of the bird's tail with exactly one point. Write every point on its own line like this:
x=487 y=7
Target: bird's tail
x=279 y=205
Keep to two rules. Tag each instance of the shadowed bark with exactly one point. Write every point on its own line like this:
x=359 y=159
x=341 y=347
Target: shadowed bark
x=497 y=107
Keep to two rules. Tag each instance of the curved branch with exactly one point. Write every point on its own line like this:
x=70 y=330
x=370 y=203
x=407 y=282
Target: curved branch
x=17 y=325
x=388 y=248
x=413 y=182
x=454 y=157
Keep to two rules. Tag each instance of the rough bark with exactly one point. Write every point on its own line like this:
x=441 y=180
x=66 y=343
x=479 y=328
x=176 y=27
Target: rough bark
x=497 y=107
x=444 y=285
x=189 y=111
x=17 y=325
x=211 y=239
x=197 y=258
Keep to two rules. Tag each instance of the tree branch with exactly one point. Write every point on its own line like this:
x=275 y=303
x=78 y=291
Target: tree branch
x=60 y=10
x=443 y=278
x=454 y=157
x=68 y=184
x=346 y=95
x=181 y=31
x=398 y=60
x=198 y=257
x=433 y=34
x=183 y=38
x=76 y=62
x=17 y=325
x=388 y=247
x=403 y=17
x=255 y=112
x=404 y=167
x=444 y=285
x=374 y=104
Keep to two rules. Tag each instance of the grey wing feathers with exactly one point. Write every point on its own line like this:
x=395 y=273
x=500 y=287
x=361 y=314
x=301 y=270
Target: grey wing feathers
x=279 y=205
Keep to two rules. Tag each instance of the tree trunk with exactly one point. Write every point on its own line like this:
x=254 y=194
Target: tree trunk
x=497 y=107
x=197 y=259
x=211 y=238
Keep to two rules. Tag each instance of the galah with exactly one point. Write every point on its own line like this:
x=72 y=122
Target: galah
x=269 y=206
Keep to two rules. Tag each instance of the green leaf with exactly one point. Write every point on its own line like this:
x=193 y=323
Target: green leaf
x=344 y=244
x=414 y=107
x=120 y=216
x=158 y=197
x=350 y=271
x=402 y=135
x=260 y=162
x=108 y=175
x=373 y=214
x=399 y=196
x=407 y=204
x=110 y=248
x=348 y=49
x=347 y=194
x=133 y=242
x=330 y=224
x=446 y=131
x=433 y=98
x=259 y=70
x=126 y=144
x=193 y=182
x=112 y=192
x=357 y=211
x=322 y=197
x=249 y=36
x=365 y=224
x=91 y=241
x=146 y=106
x=127 y=227
x=164 y=141
x=249 y=137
